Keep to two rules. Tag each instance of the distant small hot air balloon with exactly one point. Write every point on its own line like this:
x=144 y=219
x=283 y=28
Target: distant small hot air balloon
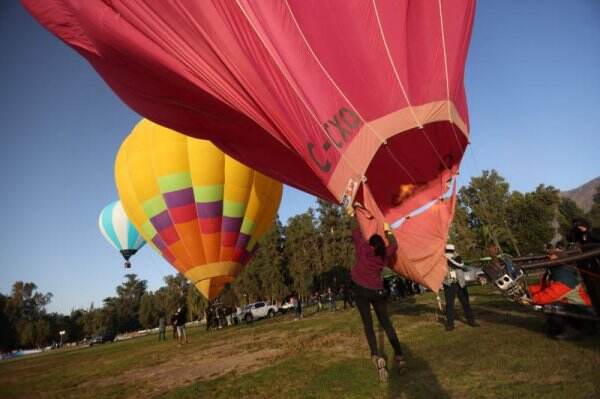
x=203 y=211
x=119 y=232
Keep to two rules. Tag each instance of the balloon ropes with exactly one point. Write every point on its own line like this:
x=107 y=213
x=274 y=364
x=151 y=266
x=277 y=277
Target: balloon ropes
x=351 y=101
x=203 y=211
x=119 y=232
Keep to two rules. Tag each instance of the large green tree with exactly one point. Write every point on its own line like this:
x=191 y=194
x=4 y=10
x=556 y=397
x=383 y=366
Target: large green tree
x=149 y=311
x=335 y=231
x=25 y=312
x=568 y=210
x=196 y=304
x=8 y=333
x=173 y=294
x=75 y=331
x=271 y=268
x=265 y=276
x=594 y=213
x=485 y=201
x=532 y=218
x=121 y=313
x=463 y=236
x=25 y=303
x=93 y=321
x=303 y=252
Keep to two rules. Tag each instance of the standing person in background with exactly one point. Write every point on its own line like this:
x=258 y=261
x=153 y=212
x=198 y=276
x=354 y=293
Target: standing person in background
x=561 y=285
x=347 y=296
x=209 y=316
x=294 y=301
x=581 y=233
x=162 y=327
x=331 y=299
x=319 y=301
x=220 y=317
x=181 y=320
x=371 y=257
x=238 y=312
x=299 y=308
x=174 y=324
x=228 y=315
x=454 y=285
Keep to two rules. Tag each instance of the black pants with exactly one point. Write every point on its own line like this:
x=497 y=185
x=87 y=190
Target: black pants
x=348 y=302
x=364 y=297
x=450 y=292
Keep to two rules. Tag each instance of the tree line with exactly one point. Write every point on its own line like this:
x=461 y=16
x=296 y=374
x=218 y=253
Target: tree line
x=312 y=252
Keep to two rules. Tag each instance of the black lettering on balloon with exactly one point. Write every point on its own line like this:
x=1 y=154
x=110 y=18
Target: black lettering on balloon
x=345 y=122
x=354 y=121
x=325 y=167
x=338 y=144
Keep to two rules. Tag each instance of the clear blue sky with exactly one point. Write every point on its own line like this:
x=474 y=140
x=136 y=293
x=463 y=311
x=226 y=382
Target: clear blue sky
x=533 y=87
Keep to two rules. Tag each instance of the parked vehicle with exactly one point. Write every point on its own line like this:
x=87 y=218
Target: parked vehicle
x=258 y=310
x=286 y=306
x=102 y=338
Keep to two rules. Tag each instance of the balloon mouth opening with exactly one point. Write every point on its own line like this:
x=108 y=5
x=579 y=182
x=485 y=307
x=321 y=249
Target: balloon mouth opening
x=128 y=253
x=211 y=278
x=404 y=192
x=211 y=288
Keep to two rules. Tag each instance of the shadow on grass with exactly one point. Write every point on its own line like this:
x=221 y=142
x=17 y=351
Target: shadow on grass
x=492 y=309
x=531 y=322
x=416 y=380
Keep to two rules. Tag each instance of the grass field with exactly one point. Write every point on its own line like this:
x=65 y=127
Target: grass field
x=325 y=355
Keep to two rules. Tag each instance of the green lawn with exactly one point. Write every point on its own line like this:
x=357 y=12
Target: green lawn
x=325 y=355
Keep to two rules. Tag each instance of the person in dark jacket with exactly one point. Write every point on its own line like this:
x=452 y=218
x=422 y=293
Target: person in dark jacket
x=581 y=233
x=181 y=320
x=456 y=285
x=371 y=257
x=331 y=299
x=561 y=286
x=210 y=316
x=347 y=296
x=174 y=324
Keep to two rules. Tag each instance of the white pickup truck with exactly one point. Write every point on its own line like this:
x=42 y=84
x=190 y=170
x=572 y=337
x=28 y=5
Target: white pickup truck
x=258 y=310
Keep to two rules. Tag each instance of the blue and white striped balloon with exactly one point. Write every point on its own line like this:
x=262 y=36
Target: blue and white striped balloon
x=119 y=232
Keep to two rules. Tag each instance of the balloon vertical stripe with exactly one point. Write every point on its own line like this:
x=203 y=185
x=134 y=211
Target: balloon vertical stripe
x=106 y=226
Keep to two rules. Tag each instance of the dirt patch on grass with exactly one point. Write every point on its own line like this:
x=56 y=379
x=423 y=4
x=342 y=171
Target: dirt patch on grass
x=194 y=362
x=187 y=368
x=241 y=357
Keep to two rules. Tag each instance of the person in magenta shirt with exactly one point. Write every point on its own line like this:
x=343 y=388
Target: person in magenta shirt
x=371 y=257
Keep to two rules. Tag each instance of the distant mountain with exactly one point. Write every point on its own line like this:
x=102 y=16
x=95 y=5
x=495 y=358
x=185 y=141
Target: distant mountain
x=584 y=194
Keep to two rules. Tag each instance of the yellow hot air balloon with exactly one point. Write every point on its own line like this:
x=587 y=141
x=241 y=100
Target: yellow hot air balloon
x=202 y=210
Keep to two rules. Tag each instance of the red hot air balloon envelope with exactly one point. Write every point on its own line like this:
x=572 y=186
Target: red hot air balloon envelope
x=345 y=100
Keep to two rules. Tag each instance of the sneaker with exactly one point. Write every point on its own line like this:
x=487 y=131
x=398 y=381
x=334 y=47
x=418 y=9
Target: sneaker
x=473 y=323
x=379 y=362
x=449 y=327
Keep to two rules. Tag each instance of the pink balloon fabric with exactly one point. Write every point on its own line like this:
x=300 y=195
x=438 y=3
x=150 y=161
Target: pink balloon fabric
x=322 y=95
x=421 y=238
